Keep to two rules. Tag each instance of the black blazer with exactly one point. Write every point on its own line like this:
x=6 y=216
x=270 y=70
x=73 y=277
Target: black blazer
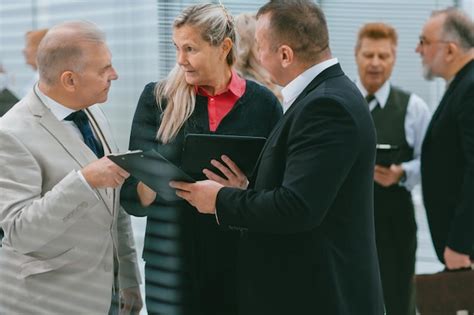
x=308 y=244
x=447 y=167
x=7 y=100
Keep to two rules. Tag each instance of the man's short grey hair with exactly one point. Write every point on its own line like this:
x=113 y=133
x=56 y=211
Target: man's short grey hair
x=458 y=27
x=62 y=49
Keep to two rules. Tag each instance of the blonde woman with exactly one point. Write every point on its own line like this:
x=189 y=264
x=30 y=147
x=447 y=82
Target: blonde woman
x=247 y=63
x=190 y=263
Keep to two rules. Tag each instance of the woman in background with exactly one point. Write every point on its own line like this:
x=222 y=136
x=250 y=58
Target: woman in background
x=247 y=63
x=190 y=263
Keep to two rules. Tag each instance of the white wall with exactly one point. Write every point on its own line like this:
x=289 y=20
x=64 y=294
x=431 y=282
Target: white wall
x=468 y=6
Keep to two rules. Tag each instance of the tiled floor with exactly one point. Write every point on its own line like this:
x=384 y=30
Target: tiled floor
x=426 y=258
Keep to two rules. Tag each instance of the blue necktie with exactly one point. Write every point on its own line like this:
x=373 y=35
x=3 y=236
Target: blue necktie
x=82 y=123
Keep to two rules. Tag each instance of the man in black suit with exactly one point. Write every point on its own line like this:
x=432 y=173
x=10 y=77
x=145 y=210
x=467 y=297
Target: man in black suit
x=7 y=98
x=447 y=158
x=307 y=222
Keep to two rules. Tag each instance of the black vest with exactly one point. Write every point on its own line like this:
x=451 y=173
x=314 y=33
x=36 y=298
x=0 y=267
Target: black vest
x=390 y=126
x=390 y=123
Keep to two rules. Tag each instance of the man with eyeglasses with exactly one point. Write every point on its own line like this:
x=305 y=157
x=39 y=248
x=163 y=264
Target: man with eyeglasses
x=447 y=159
x=400 y=119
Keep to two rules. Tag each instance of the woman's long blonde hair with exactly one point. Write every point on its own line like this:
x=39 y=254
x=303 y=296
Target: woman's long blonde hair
x=215 y=25
x=247 y=63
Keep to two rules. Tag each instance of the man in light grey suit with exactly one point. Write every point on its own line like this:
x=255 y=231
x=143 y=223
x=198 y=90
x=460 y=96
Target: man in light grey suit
x=65 y=232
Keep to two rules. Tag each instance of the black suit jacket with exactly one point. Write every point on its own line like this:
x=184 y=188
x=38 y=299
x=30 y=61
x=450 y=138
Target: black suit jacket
x=7 y=100
x=447 y=167
x=308 y=242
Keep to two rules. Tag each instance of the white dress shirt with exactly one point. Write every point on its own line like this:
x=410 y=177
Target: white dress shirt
x=291 y=91
x=416 y=122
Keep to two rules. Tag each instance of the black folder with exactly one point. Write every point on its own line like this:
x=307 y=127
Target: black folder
x=154 y=170
x=200 y=149
x=387 y=154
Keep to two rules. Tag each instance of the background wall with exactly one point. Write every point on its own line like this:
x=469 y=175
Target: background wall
x=139 y=35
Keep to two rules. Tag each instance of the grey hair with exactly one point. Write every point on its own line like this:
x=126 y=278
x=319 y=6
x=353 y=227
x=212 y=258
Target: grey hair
x=62 y=49
x=457 y=27
x=214 y=22
x=215 y=25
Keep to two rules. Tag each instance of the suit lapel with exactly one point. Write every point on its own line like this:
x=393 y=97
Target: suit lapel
x=332 y=71
x=77 y=149
x=468 y=68
x=439 y=109
x=101 y=129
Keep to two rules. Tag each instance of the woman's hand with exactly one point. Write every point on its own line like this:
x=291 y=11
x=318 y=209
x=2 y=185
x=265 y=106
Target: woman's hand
x=145 y=194
x=234 y=176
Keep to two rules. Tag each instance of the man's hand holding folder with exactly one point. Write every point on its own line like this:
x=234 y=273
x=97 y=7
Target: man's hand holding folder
x=104 y=174
x=203 y=194
x=155 y=173
x=154 y=170
x=200 y=156
x=234 y=175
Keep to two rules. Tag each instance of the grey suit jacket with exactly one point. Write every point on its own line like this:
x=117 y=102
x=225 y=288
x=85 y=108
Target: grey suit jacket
x=60 y=235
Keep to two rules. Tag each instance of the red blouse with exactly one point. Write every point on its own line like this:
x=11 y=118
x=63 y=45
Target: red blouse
x=220 y=105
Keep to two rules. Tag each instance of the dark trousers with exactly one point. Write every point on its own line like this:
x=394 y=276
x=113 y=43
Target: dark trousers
x=165 y=293
x=395 y=232
x=201 y=284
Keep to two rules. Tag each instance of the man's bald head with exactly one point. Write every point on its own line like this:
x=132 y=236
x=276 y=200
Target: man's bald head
x=63 y=48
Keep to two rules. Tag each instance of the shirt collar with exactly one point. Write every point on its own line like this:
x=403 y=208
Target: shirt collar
x=381 y=95
x=58 y=110
x=236 y=86
x=291 y=91
x=448 y=82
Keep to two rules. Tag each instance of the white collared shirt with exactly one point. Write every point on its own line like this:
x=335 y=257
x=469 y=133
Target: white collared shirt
x=291 y=91
x=416 y=122
x=60 y=112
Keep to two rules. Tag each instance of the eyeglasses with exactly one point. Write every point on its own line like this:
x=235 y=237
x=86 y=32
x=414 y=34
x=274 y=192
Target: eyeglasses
x=425 y=42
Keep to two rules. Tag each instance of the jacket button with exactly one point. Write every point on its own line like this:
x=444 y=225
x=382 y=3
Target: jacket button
x=83 y=205
x=107 y=267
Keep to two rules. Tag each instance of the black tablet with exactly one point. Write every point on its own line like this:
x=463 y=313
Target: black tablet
x=154 y=170
x=387 y=154
x=200 y=149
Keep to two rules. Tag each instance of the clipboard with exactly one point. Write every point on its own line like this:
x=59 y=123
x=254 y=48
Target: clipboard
x=154 y=170
x=387 y=154
x=200 y=149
